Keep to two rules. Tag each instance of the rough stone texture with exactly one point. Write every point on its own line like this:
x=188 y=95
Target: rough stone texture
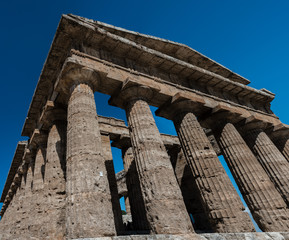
x=219 y=198
x=55 y=181
x=282 y=144
x=37 y=215
x=165 y=208
x=210 y=236
x=189 y=190
x=136 y=201
x=106 y=150
x=271 y=159
x=87 y=187
x=12 y=223
x=265 y=203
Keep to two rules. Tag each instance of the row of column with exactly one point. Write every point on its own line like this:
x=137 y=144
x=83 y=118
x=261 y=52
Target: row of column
x=89 y=207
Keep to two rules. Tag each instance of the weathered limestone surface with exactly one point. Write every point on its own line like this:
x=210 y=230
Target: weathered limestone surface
x=136 y=201
x=189 y=190
x=87 y=187
x=166 y=212
x=219 y=198
x=282 y=144
x=210 y=236
x=271 y=159
x=11 y=223
x=37 y=215
x=55 y=181
x=265 y=203
x=106 y=150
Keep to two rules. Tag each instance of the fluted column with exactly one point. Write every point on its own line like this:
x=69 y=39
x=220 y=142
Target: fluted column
x=271 y=159
x=136 y=202
x=189 y=190
x=220 y=199
x=105 y=141
x=265 y=203
x=54 y=179
x=165 y=209
x=89 y=208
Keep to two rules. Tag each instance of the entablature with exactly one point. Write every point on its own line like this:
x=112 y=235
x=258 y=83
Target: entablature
x=161 y=60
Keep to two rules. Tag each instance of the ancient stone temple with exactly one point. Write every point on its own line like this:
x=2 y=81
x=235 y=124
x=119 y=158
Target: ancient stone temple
x=62 y=183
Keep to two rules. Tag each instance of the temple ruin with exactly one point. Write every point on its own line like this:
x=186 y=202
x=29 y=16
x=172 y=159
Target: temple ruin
x=62 y=183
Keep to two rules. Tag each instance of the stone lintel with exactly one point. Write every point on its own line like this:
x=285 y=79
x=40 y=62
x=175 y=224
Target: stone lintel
x=71 y=28
x=113 y=127
x=113 y=76
x=183 y=102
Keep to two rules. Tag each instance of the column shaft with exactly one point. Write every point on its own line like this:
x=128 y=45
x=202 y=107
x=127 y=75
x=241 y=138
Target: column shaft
x=89 y=209
x=264 y=201
x=54 y=180
x=165 y=208
x=38 y=228
x=137 y=207
x=189 y=190
x=105 y=141
x=271 y=159
x=219 y=198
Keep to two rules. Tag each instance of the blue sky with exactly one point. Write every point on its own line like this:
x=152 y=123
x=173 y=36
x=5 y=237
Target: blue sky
x=249 y=37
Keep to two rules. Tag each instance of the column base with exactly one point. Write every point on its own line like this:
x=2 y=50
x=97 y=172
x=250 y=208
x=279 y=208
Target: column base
x=207 y=236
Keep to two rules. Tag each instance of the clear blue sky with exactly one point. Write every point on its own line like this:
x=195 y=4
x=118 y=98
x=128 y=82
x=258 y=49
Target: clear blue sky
x=249 y=37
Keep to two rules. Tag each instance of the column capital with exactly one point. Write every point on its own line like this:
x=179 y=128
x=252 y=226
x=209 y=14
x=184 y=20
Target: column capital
x=38 y=139
x=72 y=76
x=132 y=90
x=253 y=122
x=28 y=155
x=51 y=113
x=222 y=114
x=182 y=102
x=278 y=131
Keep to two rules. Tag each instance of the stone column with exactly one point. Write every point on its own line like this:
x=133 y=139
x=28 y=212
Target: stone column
x=271 y=159
x=54 y=179
x=189 y=190
x=165 y=208
x=136 y=202
x=89 y=208
x=220 y=199
x=265 y=203
x=106 y=147
x=27 y=208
